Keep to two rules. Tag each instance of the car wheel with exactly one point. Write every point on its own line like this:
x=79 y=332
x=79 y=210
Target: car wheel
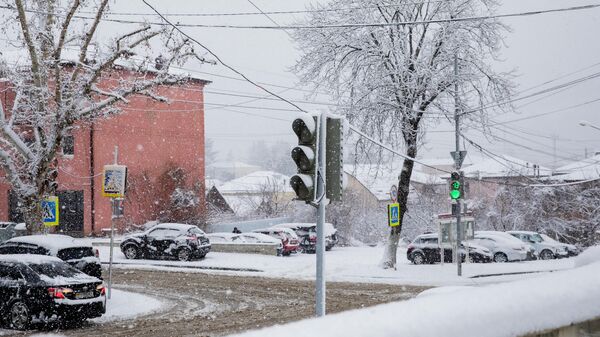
x=130 y=252
x=184 y=254
x=418 y=258
x=19 y=318
x=500 y=257
x=546 y=255
x=472 y=258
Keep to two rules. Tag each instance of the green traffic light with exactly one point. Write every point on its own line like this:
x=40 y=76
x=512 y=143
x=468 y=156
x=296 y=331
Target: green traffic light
x=455 y=185
x=455 y=194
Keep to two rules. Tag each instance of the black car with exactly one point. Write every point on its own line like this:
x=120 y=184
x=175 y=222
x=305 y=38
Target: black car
x=167 y=240
x=425 y=249
x=46 y=289
x=79 y=255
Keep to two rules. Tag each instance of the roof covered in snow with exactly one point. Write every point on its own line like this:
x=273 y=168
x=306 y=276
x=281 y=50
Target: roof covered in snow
x=52 y=242
x=586 y=169
x=503 y=166
x=379 y=180
x=257 y=182
x=70 y=55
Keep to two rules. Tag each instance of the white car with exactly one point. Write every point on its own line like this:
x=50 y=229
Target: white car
x=246 y=238
x=546 y=250
x=572 y=250
x=503 y=249
x=531 y=252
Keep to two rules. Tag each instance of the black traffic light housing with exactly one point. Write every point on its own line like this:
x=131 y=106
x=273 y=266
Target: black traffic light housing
x=456 y=186
x=304 y=155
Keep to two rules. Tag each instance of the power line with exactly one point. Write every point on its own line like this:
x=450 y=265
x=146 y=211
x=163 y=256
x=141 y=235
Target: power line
x=329 y=26
x=221 y=61
x=324 y=10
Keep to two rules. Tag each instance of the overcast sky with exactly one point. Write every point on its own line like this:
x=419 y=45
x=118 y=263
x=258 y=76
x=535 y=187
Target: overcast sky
x=541 y=48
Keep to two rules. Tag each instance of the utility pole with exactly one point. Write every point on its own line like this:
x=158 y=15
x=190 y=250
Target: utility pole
x=322 y=200
x=112 y=233
x=457 y=164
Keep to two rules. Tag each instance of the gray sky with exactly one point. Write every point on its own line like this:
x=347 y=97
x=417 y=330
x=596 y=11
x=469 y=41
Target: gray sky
x=540 y=48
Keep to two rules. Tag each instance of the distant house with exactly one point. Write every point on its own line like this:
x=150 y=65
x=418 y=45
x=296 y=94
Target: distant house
x=264 y=192
x=586 y=169
x=485 y=175
x=230 y=170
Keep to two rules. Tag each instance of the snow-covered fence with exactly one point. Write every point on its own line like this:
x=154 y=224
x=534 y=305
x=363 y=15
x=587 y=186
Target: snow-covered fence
x=548 y=305
x=246 y=248
x=246 y=226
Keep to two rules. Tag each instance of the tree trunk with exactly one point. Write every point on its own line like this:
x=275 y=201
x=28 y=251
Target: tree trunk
x=391 y=250
x=33 y=215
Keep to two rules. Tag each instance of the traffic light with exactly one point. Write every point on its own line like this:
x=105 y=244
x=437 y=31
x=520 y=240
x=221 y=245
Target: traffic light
x=304 y=155
x=456 y=188
x=334 y=153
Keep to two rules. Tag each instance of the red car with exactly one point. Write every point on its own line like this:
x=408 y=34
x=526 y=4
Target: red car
x=288 y=238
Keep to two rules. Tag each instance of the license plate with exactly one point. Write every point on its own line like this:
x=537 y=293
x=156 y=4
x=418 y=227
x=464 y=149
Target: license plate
x=85 y=294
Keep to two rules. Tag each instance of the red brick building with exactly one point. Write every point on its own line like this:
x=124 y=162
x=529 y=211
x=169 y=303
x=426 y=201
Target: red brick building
x=162 y=145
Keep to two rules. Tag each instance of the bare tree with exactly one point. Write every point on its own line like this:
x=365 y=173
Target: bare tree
x=395 y=80
x=64 y=80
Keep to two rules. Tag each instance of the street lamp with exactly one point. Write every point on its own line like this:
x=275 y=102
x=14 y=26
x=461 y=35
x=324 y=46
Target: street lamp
x=586 y=123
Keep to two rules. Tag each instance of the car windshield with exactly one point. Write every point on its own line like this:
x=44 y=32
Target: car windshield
x=75 y=253
x=536 y=238
x=196 y=231
x=54 y=269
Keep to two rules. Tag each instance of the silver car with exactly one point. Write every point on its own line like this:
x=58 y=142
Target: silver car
x=545 y=249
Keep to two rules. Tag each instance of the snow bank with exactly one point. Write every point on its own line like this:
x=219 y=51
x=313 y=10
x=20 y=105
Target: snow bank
x=128 y=305
x=499 y=310
x=589 y=256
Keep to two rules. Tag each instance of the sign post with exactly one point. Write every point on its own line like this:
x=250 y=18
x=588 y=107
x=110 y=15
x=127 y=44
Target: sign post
x=114 y=180
x=51 y=211
x=394 y=214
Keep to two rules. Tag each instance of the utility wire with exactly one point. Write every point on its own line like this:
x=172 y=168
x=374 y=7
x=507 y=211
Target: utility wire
x=329 y=26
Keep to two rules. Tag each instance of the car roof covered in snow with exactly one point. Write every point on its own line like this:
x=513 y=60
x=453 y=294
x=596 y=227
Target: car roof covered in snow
x=275 y=229
x=523 y=232
x=52 y=242
x=329 y=229
x=28 y=258
x=178 y=226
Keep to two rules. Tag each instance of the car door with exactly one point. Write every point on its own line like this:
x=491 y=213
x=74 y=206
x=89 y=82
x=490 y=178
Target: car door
x=161 y=239
x=431 y=249
x=10 y=279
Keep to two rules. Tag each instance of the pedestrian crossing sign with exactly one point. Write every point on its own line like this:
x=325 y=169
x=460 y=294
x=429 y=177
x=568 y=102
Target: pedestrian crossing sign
x=50 y=211
x=394 y=215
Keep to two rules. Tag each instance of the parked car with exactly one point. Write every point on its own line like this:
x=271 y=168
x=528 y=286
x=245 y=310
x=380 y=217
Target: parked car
x=503 y=249
x=7 y=230
x=572 y=250
x=167 y=240
x=425 y=249
x=289 y=238
x=531 y=252
x=46 y=288
x=76 y=253
x=546 y=250
x=247 y=238
x=307 y=232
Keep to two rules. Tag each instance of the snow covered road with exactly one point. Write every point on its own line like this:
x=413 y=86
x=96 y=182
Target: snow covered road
x=347 y=264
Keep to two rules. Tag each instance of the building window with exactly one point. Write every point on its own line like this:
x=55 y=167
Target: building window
x=68 y=145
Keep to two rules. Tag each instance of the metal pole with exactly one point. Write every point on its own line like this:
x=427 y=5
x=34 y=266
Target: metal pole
x=112 y=234
x=457 y=164
x=320 y=277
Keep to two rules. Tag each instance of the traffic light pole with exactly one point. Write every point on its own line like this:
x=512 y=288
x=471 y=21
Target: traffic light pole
x=457 y=164
x=322 y=201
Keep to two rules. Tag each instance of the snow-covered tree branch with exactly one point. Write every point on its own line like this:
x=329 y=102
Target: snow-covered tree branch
x=62 y=78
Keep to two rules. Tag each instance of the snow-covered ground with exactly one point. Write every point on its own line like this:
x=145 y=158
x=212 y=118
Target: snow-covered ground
x=518 y=308
x=352 y=264
x=122 y=305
